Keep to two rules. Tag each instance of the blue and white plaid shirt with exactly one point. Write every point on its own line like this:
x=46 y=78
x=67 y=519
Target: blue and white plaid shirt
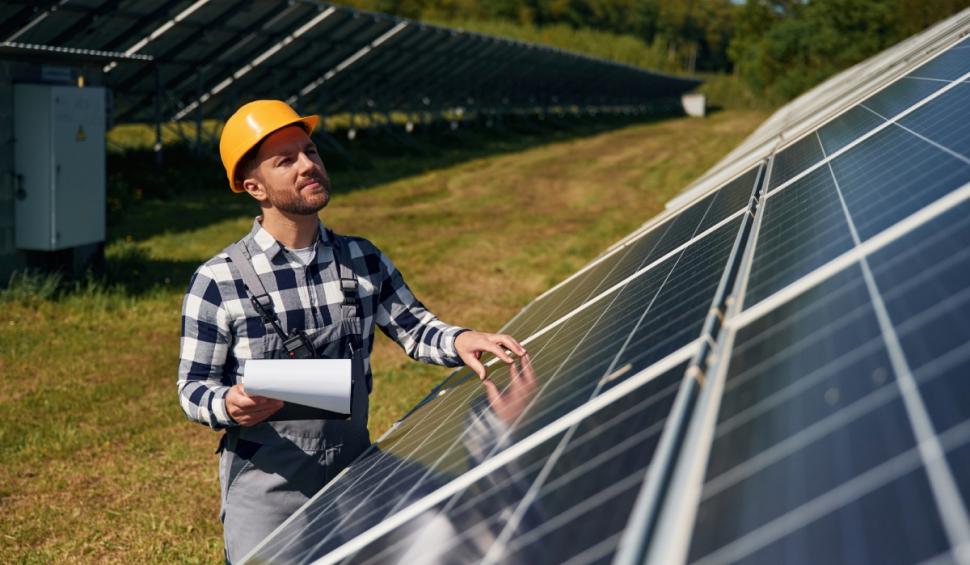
x=217 y=333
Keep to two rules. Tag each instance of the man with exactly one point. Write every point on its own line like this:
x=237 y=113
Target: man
x=292 y=288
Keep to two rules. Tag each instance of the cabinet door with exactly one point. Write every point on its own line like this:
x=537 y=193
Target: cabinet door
x=78 y=166
x=32 y=162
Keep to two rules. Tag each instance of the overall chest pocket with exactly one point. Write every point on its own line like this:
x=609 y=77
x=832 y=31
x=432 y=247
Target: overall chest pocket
x=331 y=342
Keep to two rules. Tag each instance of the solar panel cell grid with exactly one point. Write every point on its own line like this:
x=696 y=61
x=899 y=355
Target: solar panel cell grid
x=645 y=250
x=794 y=159
x=617 y=443
x=944 y=120
x=893 y=174
x=733 y=196
x=847 y=128
x=814 y=377
x=949 y=65
x=637 y=254
x=925 y=281
x=803 y=227
x=902 y=94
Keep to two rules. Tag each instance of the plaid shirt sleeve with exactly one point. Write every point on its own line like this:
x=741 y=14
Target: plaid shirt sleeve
x=404 y=319
x=203 y=350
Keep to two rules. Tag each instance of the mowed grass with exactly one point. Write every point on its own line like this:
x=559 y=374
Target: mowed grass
x=98 y=464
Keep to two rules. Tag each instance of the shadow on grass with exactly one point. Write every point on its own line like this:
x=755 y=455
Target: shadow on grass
x=188 y=191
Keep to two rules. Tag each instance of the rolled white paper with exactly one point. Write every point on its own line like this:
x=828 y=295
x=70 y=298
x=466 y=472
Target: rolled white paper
x=320 y=383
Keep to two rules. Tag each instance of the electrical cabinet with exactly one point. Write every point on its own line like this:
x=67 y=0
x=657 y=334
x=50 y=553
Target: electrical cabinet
x=59 y=161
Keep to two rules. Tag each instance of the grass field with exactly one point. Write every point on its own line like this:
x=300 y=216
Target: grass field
x=97 y=462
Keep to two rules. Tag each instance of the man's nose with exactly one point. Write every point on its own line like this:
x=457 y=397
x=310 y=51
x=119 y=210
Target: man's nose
x=305 y=162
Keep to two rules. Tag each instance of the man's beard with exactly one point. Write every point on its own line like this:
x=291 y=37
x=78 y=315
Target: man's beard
x=291 y=203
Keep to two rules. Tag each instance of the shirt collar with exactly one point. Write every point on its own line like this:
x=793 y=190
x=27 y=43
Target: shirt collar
x=267 y=243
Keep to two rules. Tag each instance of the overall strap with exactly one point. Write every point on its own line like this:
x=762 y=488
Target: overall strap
x=350 y=307
x=258 y=296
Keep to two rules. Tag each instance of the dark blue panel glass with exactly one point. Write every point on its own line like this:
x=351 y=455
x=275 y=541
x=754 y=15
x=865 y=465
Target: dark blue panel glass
x=635 y=255
x=894 y=524
x=949 y=65
x=797 y=365
x=924 y=278
x=733 y=197
x=944 y=120
x=685 y=226
x=612 y=446
x=959 y=461
x=811 y=408
x=892 y=175
x=794 y=159
x=901 y=95
x=803 y=228
x=679 y=309
x=849 y=126
x=585 y=485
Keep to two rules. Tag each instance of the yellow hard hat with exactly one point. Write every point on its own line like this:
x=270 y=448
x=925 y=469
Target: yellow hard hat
x=251 y=124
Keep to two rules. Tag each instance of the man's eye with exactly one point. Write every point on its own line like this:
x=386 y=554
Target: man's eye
x=282 y=162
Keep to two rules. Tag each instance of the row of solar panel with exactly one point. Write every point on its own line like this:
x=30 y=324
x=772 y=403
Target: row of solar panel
x=209 y=57
x=811 y=411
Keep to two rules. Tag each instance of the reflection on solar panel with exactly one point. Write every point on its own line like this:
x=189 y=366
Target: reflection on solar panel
x=773 y=371
x=195 y=59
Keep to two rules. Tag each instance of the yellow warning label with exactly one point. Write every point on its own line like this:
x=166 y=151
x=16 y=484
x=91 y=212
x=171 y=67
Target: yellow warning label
x=80 y=135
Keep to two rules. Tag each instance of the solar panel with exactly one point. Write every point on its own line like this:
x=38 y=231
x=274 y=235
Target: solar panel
x=774 y=372
x=201 y=59
x=821 y=432
x=819 y=436
x=652 y=245
x=656 y=314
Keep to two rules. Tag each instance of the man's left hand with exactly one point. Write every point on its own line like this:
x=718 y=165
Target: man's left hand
x=471 y=345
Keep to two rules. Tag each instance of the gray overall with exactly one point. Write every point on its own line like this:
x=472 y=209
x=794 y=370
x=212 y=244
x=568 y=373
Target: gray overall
x=268 y=471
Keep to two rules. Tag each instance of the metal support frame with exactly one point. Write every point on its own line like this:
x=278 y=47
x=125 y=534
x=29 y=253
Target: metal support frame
x=158 y=117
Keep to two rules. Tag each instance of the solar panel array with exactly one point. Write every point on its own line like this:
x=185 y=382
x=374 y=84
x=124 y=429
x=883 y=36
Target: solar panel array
x=196 y=59
x=774 y=371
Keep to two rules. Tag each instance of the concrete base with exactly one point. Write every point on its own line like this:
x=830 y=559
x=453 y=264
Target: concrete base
x=695 y=105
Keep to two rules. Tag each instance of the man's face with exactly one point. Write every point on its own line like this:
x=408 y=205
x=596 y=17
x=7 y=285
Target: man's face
x=289 y=174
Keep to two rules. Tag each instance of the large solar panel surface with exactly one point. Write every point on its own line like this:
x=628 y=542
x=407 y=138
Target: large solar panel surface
x=773 y=372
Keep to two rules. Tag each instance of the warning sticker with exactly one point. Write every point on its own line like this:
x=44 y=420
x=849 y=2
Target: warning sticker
x=80 y=135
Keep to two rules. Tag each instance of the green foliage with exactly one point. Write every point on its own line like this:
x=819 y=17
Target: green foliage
x=779 y=48
x=627 y=49
x=729 y=91
x=783 y=47
x=679 y=36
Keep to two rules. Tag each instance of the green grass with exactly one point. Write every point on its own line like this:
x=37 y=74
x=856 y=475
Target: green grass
x=98 y=463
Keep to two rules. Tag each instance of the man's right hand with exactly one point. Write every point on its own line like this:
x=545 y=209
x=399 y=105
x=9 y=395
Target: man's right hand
x=249 y=410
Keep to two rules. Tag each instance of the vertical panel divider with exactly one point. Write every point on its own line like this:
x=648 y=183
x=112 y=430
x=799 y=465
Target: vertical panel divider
x=651 y=500
x=676 y=515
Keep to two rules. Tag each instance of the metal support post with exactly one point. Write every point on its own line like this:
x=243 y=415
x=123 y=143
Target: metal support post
x=158 y=117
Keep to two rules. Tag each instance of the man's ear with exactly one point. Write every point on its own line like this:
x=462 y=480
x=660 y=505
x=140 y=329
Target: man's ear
x=255 y=188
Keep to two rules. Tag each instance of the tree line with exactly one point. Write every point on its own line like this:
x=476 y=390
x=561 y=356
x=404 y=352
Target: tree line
x=780 y=48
